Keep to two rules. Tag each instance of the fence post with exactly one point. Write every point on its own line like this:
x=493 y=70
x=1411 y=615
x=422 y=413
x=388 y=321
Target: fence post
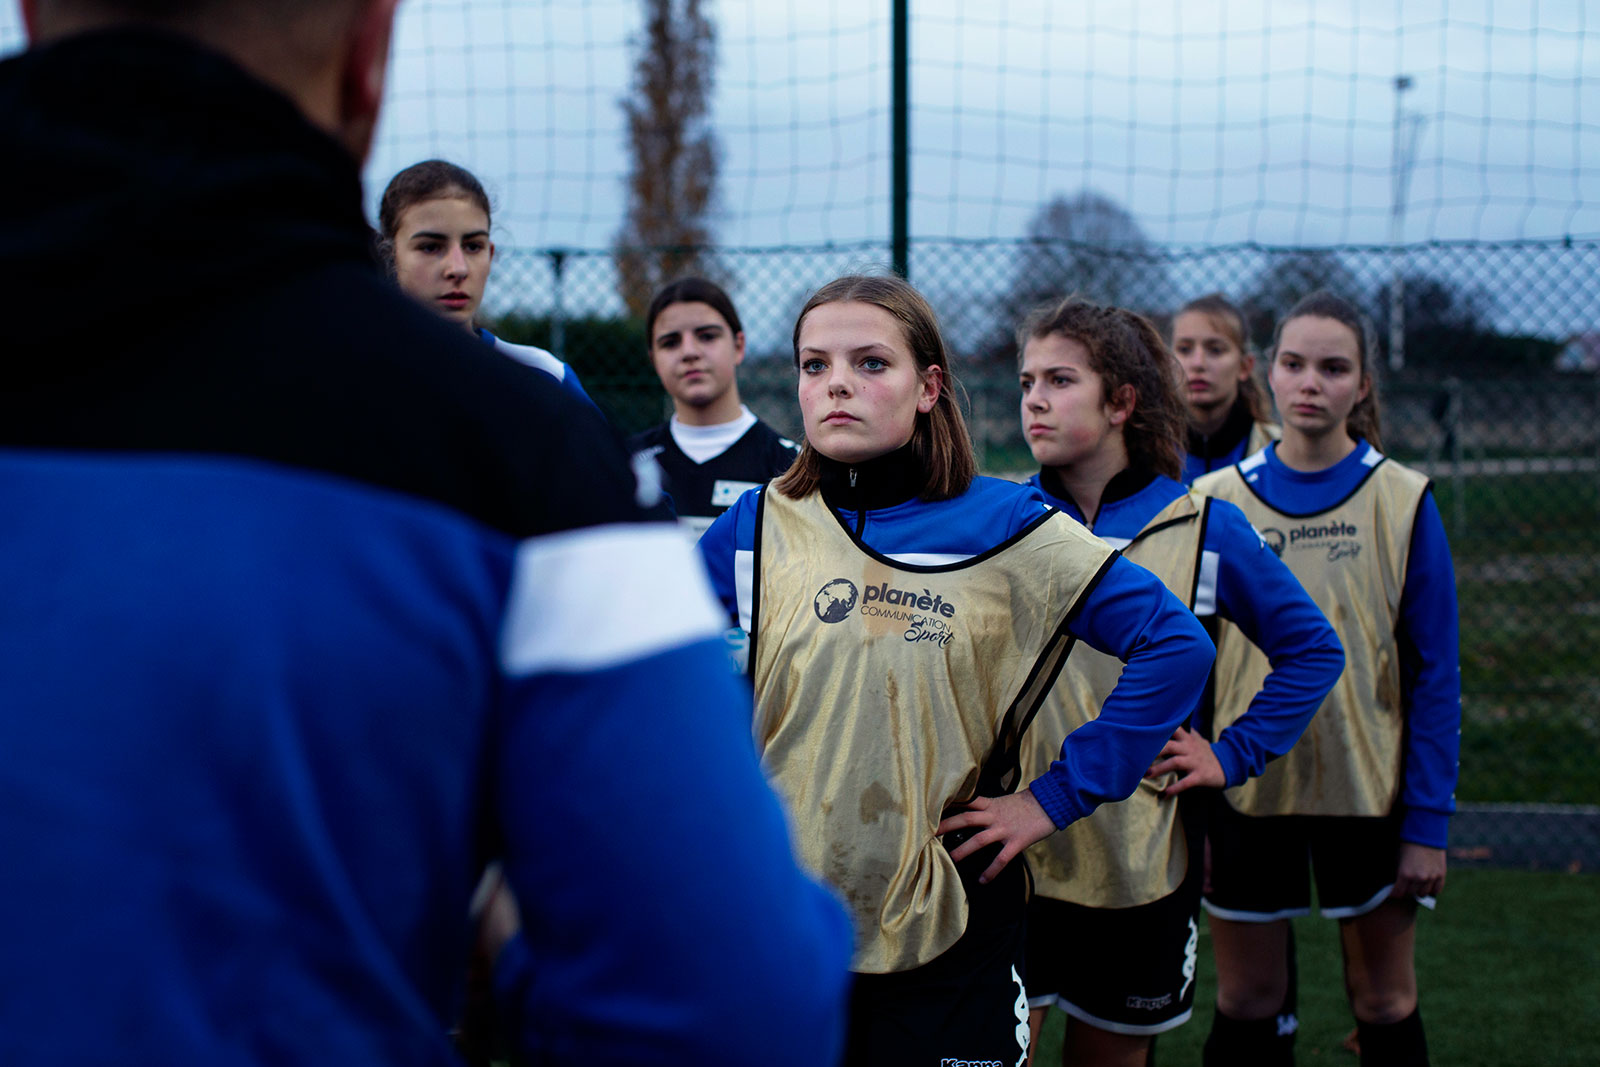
x=980 y=419
x=1458 y=481
x=900 y=140
x=558 y=311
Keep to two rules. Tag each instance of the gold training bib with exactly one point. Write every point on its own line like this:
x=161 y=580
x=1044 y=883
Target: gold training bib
x=1352 y=560
x=1262 y=434
x=885 y=690
x=1131 y=852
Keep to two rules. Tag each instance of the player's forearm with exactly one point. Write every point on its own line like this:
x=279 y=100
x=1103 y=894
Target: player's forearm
x=1167 y=658
x=1429 y=640
x=1306 y=659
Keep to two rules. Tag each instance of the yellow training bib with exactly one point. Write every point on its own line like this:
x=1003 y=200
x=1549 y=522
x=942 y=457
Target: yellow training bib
x=1131 y=852
x=884 y=690
x=1352 y=559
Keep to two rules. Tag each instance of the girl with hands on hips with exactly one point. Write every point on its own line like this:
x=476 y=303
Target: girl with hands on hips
x=1113 y=928
x=905 y=619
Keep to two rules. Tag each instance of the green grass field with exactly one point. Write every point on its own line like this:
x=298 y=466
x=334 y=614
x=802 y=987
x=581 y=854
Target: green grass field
x=1527 y=555
x=1508 y=968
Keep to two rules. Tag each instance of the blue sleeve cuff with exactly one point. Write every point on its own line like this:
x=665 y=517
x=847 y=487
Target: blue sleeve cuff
x=1423 y=827
x=1235 y=768
x=1055 y=800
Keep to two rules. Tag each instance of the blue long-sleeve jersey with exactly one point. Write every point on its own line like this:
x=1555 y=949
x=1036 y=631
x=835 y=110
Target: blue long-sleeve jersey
x=1428 y=634
x=1129 y=614
x=1242 y=581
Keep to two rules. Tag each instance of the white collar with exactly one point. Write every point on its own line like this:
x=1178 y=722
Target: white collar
x=701 y=443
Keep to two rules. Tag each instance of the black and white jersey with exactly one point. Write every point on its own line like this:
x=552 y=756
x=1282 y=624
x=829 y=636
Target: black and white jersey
x=703 y=487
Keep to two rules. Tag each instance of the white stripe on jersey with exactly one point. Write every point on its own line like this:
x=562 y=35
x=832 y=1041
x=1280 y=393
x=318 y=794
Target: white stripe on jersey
x=1118 y=543
x=1251 y=462
x=537 y=358
x=1205 y=590
x=1372 y=457
x=593 y=598
x=744 y=584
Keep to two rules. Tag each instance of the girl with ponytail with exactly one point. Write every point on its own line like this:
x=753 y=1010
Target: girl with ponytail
x=1365 y=796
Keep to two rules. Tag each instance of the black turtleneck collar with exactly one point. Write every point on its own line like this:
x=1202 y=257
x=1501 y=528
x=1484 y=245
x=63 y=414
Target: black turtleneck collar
x=1123 y=484
x=873 y=484
x=1234 y=429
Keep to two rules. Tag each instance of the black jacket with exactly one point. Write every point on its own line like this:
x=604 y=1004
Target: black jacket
x=184 y=268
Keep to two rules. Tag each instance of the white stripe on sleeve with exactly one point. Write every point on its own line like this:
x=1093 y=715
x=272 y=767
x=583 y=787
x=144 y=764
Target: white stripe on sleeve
x=593 y=598
x=1205 y=590
x=744 y=584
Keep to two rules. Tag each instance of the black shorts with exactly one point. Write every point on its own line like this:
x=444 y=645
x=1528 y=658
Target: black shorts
x=1261 y=865
x=1126 y=970
x=968 y=1005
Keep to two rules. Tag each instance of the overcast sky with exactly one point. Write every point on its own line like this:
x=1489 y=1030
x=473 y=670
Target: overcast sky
x=1214 y=121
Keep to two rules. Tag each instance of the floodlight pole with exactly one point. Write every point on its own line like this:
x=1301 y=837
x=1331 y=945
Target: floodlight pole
x=900 y=138
x=1402 y=157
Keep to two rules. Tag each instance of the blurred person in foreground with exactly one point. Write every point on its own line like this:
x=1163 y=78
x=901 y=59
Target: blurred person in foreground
x=313 y=602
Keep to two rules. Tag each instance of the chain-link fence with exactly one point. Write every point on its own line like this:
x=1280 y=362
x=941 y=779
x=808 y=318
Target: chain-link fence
x=1494 y=390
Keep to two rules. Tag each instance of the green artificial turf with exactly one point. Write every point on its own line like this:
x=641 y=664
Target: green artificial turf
x=1508 y=969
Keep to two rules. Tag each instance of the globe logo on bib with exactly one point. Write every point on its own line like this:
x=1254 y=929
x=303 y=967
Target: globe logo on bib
x=1274 y=539
x=835 y=601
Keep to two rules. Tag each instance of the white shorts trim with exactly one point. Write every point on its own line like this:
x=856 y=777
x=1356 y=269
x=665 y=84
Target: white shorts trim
x=1123 y=1028
x=1372 y=905
x=1357 y=910
x=1353 y=912
x=1253 y=916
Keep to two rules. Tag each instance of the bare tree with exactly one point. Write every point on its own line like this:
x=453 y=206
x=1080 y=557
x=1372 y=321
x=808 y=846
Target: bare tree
x=673 y=183
x=1289 y=275
x=1090 y=245
x=1085 y=244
